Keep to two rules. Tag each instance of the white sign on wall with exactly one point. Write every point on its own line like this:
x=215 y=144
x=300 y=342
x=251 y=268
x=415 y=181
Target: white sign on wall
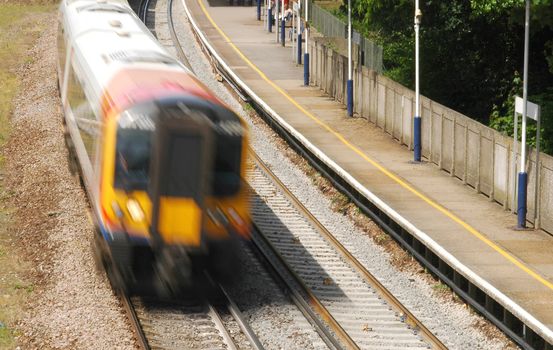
x=532 y=109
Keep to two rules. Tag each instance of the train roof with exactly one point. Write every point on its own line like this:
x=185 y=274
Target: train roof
x=107 y=36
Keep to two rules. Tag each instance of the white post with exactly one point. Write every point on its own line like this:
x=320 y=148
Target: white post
x=349 y=41
x=522 y=175
x=525 y=90
x=306 y=25
x=306 y=54
x=349 y=84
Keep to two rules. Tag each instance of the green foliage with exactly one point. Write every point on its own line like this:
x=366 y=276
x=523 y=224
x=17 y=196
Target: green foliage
x=471 y=50
x=502 y=117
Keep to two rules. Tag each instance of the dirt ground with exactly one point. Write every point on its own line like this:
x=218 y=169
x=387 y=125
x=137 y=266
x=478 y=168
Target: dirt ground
x=54 y=296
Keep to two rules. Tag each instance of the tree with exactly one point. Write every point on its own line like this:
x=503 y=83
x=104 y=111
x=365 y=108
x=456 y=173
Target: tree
x=471 y=51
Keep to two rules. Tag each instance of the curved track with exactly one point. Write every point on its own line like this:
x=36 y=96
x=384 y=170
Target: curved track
x=160 y=324
x=352 y=274
x=340 y=290
x=341 y=300
x=290 y=249
x=190 y=323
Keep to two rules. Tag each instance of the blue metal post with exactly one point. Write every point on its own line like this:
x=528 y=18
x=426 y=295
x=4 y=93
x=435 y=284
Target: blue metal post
x=299 y=48
x=270 y=19
x=282 y=31
x=522 y=196
x=259 y=10
x=350 y=97
x=417 y=138
x=306 y=69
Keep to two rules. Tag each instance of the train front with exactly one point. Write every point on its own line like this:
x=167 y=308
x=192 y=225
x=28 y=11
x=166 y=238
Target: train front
x=173 y=196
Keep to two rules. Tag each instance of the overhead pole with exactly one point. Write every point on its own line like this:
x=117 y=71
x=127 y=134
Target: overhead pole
x=417 y=120
x=523 y=175
x=306 y=54
x=349 y=84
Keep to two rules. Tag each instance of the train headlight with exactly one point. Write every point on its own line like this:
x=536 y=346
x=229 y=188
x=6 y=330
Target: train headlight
x=238 y=222
x=235 y=217
x=135 y=211
x=116 y=209
x=217 y=216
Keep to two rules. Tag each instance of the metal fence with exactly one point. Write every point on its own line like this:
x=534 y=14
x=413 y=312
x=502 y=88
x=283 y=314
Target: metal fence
x=479 y=156
x=331 y=26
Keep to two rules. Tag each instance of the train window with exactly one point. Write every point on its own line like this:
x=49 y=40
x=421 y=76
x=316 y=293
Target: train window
x=132 y=159
x=103 y=8
x=183 y=167
x=75 y=94
x=84 y=115
x=228 y=155
x=61 y=47
x=226 y=179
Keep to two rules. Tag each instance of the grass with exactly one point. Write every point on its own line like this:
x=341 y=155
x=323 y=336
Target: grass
x=440 y=287
x=18 y=31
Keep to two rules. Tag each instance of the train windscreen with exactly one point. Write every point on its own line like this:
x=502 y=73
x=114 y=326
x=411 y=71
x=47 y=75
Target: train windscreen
x=134 y=142
x=132 y=159
x=228 y=155
x=183 y=167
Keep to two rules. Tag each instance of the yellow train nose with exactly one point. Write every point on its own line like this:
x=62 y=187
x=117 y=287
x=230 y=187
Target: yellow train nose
x=180 y=221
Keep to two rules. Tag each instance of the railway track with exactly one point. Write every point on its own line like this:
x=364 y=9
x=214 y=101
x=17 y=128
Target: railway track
x=341 y=300
x=355 y=307
x=190 y=323
x=161 y=25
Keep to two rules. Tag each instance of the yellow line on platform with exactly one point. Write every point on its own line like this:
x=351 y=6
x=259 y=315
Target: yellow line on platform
x=385 y=171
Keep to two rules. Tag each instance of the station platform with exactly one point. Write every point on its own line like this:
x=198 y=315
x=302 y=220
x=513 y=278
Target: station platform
x=474 y=232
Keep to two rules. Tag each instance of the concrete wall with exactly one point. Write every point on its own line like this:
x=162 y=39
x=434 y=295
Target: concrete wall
x=474 y=153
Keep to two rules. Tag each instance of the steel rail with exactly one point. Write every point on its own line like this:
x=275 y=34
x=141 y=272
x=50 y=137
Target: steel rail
x=244 y=326
x=352 y=261
x=313 y=300
x=305 y=300
x=297 y=298
x=447 y=268
x=214 y=314
x=143 y=10
x=211 y=311
x=135 y=322
x=175 y=38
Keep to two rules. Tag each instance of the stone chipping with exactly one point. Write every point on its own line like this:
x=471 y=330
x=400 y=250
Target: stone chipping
x=455 y=324
x=71 y=305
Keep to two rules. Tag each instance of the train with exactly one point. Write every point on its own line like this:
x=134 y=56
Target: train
x=161 y=158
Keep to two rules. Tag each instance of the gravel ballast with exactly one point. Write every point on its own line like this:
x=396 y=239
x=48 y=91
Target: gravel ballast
x=72 y=305
x=455 y=324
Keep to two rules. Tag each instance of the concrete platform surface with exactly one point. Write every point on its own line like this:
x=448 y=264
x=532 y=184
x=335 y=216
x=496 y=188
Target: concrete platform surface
x=479 y=233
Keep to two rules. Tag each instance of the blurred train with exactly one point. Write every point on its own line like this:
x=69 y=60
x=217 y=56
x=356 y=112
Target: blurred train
x=161 y=158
